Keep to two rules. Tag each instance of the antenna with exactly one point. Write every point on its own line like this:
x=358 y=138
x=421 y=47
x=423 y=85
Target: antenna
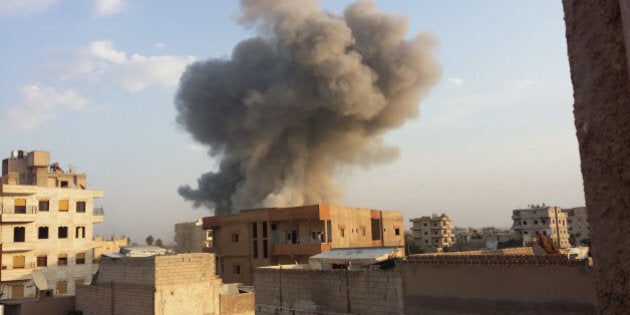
x=72 y=170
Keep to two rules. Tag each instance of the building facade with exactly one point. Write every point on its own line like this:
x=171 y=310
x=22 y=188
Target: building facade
x=549 y=221
x=190 y=237
x=577 y=220
x=45 y=227
x=271 y=236
x=433 y=233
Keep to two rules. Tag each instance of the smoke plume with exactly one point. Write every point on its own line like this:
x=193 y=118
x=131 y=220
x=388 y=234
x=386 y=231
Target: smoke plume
x=312 y=93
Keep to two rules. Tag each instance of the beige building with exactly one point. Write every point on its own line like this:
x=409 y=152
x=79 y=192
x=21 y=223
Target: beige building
x=45 y=227
x=549 y=221
x=433 y=233
x=271 y=236
x=577 y=220
x=167 y=284
x=190 y=237
x=104 y=246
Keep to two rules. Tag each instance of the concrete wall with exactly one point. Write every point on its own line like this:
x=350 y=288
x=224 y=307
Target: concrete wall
x=48 y=306
x=506 y=284
x=598 y=56
x=238 y=304
x=327 y=292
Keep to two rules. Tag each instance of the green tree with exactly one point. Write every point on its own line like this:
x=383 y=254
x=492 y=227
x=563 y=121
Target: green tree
x=158 y=242
x=149 y=240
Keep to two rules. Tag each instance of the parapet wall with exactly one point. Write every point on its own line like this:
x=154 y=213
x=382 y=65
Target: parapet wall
x=501 y=260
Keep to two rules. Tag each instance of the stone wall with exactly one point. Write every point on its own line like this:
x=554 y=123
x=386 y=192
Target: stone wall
x=327 y=292
x=601 y=88
x=238 y=304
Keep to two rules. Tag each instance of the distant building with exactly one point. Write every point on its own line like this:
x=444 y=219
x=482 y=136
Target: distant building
x=190 y=237
x=433 y=233
x=577 y=220
x=479 y=238
x=46 y=227
x=271 y=236
x=549 y=221
x=103 y=246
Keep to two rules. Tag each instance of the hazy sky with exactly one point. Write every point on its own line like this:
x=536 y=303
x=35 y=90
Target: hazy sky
x=94 y=82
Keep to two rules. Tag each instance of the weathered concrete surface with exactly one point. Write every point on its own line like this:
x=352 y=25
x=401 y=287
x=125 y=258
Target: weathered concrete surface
x=601 y=84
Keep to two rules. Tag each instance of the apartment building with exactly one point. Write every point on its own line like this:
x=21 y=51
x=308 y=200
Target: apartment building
x=270 y=236
x=433 y=233
x=577 y=221
x=190 y=237
x=46 y=221
x=549 y=221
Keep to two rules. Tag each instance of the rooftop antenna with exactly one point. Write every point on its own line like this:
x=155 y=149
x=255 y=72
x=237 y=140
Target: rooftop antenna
x=72 y=170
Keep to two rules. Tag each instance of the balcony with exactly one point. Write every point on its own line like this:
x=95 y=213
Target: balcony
x=98 y=215
x=308 y=249
x=18 y=247
x=16 y=273
x=19 y=214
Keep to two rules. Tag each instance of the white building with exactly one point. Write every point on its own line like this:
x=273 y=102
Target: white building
x=46 y=224
x=577 y=219
x=549 y=221
x=433 y=233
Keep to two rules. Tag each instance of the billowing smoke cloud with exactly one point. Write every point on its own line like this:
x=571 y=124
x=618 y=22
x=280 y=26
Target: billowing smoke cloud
x=312 y=93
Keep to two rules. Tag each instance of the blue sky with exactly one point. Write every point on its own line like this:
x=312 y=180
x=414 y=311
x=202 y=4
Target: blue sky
x=94 y=82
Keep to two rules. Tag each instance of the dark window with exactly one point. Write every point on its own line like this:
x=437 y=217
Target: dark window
x=376 y=229
x=19 y=233
x=254 y=230
x=342 y=232
x=265 y=249
x=237 y=269
x=235 y=238
x=255 y=249
x=62 y=260
x=62 y=232
x=42 y=261
x=81 y=206
x=264 y=229
x=64 y=184
x=273 y=227
x=79 y=232
x=80 y=259
x=44 y=205
x=397 y=231
x=20 y=206
x=42 y=232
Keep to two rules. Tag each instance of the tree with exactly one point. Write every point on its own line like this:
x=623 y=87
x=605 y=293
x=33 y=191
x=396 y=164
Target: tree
x=149 y=240
x=158 y=242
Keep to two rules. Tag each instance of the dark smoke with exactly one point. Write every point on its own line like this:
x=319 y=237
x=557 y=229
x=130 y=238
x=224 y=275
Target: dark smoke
x=312 y=93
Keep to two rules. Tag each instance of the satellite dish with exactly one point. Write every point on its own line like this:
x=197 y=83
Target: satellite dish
x=72 y=170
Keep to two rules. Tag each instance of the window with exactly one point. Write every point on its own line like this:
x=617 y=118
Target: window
x=273 y=226
x=535 y=221
x=64 y=184
x=265 y=249
x=254 y=230
x=78 y=281
x=425 y=224
x=62 y=232
x=376 y=229
x=62 y=260
x=81 y=206
x=524 y=222
x=235 y=238
x=255 y=249
x=63 y=205
x=264 y=227
x=397 y=231
x=363 y=231
x=79 y=232
x=237 y=269
x=426 y=233
x=80 y=259
x=18 y=261
x=42 y=232
x=20 y=205
x=19 y=233
x=42 y=261
x=62 y=287
x=44 y=205
x=342 y=232
x=426 y=241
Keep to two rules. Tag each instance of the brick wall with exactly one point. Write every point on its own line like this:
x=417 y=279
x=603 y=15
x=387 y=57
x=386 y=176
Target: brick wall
x=327 y=292
x=93 y=299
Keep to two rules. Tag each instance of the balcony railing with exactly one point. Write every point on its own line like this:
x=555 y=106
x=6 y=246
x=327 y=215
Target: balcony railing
x=20 y=210
x=308 y=249
x=98 y=211
x=19 y=214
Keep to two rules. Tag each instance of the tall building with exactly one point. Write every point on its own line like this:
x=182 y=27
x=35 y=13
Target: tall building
x=433 y=233
x=271 y=236
x=45 y=226
x=190 y=237
x=577 y=220
x=549 y=221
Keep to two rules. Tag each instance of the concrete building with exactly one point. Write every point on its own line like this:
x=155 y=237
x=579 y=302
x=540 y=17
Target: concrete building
x=577 y=220
x=190 y=237
x=271 y=236
x=479 y=238
x=433 y=233
x=45 y=227
x=167 y=284
x=550 y=221
x=105 y=246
